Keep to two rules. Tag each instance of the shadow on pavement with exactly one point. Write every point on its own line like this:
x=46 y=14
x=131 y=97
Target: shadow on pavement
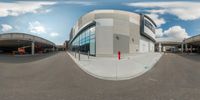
x=24 y=58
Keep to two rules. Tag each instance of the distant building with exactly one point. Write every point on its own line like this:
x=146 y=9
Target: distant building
x=12 y=42
x=189 y=45
x=60 y=47
x=192 y=44
x=66 y=45
x=105 y=32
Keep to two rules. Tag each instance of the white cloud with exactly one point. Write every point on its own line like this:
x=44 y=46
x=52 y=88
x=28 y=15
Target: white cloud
x=159 y=32
x=157 y=11
x=159 y=21
x=53 y=34
x=22 y=7
x=173 y=33
x=36 y=27
x=6 y=27
x=183 y=10
x=176 y=32
x=85 y=3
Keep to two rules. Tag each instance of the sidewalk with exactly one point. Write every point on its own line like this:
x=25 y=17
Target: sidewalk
x=110 y=68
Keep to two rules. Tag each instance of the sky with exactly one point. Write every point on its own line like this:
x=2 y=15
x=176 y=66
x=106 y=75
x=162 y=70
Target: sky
x=53 y=20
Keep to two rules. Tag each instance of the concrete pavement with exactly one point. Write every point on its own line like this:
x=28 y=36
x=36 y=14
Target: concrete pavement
x=174 y=77
x=110 y=68
x=23 y=58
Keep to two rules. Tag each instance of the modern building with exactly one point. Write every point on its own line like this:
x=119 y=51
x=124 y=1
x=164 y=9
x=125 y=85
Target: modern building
x=11 y=42
x=60 y=47
x=66 y=45
x=106 y=32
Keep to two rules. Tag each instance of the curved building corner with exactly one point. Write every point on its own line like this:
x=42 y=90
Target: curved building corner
x=105 y=32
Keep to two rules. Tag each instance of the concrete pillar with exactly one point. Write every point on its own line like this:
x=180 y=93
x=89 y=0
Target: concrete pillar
x=79 y=55
x=174 y=49
x=53 y=48
x=164 y=49
x=182 y=48
x=159 y=47
x=198 y=49
x=33 y=48
x=191 y=48
x=186 y=48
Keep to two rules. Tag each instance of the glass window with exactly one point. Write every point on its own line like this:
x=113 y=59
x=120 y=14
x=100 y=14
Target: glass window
x=92 y=31
x=85 y=42
x=87 y=33
x=149 y=25
x=92 y=37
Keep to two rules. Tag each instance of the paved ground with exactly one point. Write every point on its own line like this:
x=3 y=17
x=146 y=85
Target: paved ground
x=23 y=58
x=175 y=77
x=110 y=68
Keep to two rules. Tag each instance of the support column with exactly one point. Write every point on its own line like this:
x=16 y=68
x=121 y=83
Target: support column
x=159 y=47
x=175 y=49
x=191 y=48
x=164 y=49
x=33 y=48
x=186 y=48
x=182 y=48
x=53 y=48
x=198 y=49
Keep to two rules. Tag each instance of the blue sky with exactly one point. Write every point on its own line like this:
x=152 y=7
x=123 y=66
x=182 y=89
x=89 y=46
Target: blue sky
x=53 y=20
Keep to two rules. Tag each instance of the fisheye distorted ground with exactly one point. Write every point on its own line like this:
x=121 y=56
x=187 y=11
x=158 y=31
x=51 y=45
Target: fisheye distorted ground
x=57 y=77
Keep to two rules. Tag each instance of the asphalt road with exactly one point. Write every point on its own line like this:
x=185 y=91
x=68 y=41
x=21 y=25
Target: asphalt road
x=57 y=77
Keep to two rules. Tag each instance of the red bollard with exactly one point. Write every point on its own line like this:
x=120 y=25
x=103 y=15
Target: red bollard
x=119 y=55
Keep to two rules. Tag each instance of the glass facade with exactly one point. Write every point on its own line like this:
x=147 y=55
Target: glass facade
x=149 y=25
x=85 y=42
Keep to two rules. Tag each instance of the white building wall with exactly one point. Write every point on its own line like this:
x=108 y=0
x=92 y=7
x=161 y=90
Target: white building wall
x=104 y=36
x=110 y=22
x=152 y=46
x=104 y=22
x=134 y=32
x=145 y=45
